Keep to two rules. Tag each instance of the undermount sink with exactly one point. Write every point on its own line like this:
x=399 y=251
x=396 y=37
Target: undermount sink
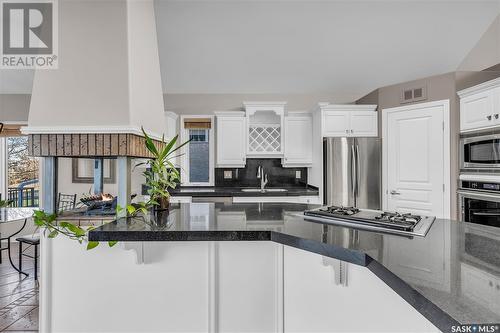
x=258 y=190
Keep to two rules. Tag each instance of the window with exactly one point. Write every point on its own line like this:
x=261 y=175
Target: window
x=22 y=173
x=197 y=163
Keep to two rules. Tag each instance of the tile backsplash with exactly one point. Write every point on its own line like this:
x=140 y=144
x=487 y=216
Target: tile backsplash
x=277 y=175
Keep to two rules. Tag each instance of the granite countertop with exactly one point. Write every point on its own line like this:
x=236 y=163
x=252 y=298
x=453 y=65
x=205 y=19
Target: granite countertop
x=15 y=214
x=226 y=191
x=435 y=274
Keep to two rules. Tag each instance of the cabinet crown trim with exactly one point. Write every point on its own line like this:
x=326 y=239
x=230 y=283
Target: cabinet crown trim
x=348 y=107
x=479 y=88
x=260 y=104
x=229 y=113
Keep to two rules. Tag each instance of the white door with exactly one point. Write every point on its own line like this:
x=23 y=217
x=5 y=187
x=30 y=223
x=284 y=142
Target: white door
x=298 y=140
x=335 y=123
x=416 y=159
x=364 y=123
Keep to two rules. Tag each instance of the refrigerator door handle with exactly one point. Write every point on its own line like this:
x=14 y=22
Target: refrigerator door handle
x=357 y=170
x=353 y=172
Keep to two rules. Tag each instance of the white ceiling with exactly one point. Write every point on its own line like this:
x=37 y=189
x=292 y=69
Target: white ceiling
x=348 y=47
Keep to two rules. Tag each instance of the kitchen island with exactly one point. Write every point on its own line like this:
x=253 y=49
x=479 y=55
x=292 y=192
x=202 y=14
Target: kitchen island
x=262 y=267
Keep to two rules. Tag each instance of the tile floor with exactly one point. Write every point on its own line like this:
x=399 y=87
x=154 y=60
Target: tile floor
x=18 y=297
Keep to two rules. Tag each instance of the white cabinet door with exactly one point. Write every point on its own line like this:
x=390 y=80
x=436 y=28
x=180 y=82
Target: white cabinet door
x=335 y=123
x=364 y=123
x=313 y=302
x=477 y=111
x=231 y=141
x=298 y=140
x=249 y=287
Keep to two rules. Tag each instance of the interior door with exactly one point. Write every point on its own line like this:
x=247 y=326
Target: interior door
x=414 y=168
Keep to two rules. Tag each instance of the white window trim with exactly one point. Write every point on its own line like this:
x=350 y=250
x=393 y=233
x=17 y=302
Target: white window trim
x=3 y=167
x=185 y=157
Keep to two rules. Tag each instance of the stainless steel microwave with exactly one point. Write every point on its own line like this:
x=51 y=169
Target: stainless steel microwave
x=480 y=152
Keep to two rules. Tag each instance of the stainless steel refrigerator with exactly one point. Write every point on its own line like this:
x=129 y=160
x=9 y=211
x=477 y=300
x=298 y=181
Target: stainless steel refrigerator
x=352 y=172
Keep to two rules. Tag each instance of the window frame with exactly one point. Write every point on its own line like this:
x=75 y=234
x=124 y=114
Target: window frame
x=3 y=167
x=184 y=136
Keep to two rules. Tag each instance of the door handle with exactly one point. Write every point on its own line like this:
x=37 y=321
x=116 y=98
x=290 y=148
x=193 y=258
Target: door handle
x=488 y=117
x=394 y=192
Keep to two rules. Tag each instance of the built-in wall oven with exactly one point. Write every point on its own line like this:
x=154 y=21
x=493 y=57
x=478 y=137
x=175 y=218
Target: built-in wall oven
x=480 y=151
x=479 y=198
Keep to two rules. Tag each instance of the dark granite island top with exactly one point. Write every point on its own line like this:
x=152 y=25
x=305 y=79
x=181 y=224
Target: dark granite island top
x=433 y=274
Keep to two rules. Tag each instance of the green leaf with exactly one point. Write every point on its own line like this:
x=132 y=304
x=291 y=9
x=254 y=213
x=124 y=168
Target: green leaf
x=53 y=234
x=112 y=243
x=149 y=143
x=169 y=146
x=92 y=244
x=179 y=147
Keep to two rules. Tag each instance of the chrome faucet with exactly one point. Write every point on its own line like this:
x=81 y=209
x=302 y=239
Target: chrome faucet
x=263 y=178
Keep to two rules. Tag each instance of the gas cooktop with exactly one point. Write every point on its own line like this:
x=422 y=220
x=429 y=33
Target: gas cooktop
x=376 y=220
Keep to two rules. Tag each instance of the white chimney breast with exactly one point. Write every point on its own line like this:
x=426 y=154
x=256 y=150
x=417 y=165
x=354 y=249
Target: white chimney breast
x=108 y=80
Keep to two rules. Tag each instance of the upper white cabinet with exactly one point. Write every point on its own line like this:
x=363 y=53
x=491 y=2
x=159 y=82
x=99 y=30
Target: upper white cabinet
x=298 y=139
x=231 y=139
x=480 y=106
x=264 y=122
x=349 y=120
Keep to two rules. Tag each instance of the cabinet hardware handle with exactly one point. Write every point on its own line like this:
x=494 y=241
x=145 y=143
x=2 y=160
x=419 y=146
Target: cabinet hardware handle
x=491 y=283
x=488 y=117
x=498 y=286
x=352 y=131
x=347 y=131
x=394 y=192
x=496 y=115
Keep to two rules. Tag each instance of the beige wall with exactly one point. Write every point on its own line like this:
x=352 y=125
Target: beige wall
x=440 y=87
x=486 y=52
x=14 y=107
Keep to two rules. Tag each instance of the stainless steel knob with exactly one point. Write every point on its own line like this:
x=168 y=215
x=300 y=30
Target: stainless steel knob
x=488 y=117
x=394 y=192
x=352 y=131
x=496 y=115
x=347 y=131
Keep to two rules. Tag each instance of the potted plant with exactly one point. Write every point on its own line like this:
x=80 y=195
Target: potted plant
x=4 y=203
x=161 y=175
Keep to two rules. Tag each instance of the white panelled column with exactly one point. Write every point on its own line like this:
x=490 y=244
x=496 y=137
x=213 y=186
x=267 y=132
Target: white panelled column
x=124 y=182
x=47 y=184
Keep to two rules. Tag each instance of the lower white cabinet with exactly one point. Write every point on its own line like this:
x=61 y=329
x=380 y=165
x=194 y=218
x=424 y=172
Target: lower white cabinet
x=431 y=267
x=231 y=139
x=298 y=139
x=314 y=302
x=480 y=286
x=249 y=287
